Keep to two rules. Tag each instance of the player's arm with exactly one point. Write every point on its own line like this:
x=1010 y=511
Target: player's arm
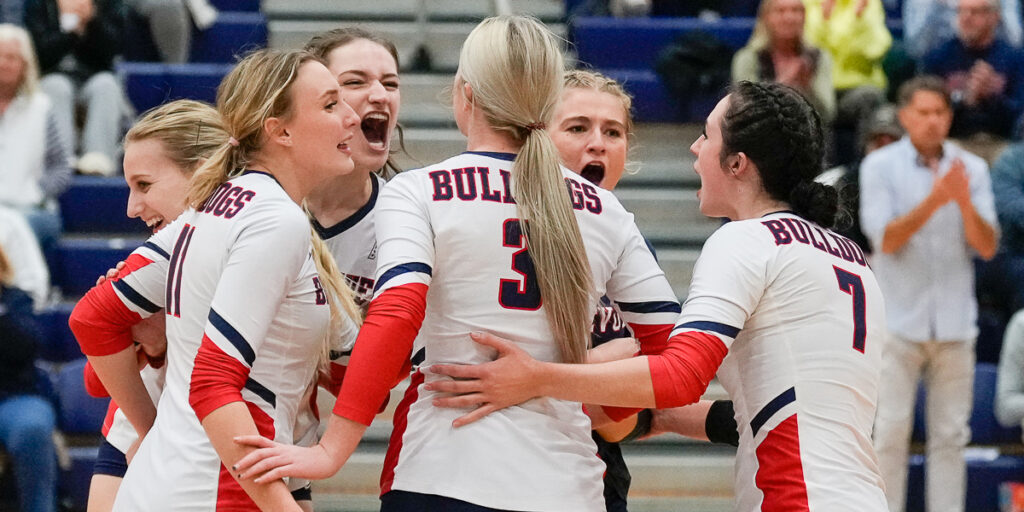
x=103 y=322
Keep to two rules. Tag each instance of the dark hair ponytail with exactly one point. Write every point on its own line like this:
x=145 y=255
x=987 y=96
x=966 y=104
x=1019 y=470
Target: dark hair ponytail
x=779 y=130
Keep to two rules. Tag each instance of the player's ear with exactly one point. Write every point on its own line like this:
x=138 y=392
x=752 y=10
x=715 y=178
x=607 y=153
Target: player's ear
x=467 y=92
x=276 y=131
x=737 y=163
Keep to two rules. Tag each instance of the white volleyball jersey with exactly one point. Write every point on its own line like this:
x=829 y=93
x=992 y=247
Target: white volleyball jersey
x=241 y=282
x=454 y=227
x=804 y=321
x=353 y=243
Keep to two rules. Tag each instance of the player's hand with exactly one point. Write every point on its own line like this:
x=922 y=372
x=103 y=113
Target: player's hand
x=112 y=273
x=151 y=334
x=488 y=387
x=272 y=461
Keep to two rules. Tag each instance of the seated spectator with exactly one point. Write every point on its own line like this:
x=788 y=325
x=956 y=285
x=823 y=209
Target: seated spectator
x=853 y=32
x=77 y=41
x=170 y=24
x=26 y=419
x=982 y=73
x=777 y=52
x=30 y=272
x=35 y=168
x=1008 y=188
x=881 y=130
x=929 y=23
x=1010 y=381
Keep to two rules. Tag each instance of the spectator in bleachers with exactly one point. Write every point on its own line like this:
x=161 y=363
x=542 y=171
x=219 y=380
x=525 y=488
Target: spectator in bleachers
x=929 y=23
x=983 y=73
x=1010 y=381
x=35 y=167
x=77 y=41
x=853 y=32
x=26 y=419
x=1008 y=187
x=927 y=207
x=30 y=271
x=170 y=24
x=777 y=52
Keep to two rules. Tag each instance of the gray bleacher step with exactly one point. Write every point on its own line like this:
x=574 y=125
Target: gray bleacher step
x=678 y=267
x=327 y=502
x=405 y=10
x=668 y=215
x=442 y=39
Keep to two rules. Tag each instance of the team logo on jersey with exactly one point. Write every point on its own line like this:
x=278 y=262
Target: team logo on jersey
x=321 y=295
x=372 y=255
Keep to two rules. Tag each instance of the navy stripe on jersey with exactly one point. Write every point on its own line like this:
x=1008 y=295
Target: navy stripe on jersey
x=233 y=336
x=261 y=391
x=650 y=307
x=156 y=248
x=493 y=154
x=787 y=397
x=135 y=297
x=725 y=330
x=352 y=220
x=404 y=268
x=419 y=357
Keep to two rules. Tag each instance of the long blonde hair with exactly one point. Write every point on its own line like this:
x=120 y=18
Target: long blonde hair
x=190 y=132
x=515 y=70
x=259 y=88
x=30 y=80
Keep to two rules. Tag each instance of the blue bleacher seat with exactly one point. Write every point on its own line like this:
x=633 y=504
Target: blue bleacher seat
x=984 y=474
x=151 y=84
x=653 y=103
x=74 y=483
x=236 y=5
x=233 y=34
x=60 y=344
x=79 y=262
x=78 y=413
x=634 y=43
x=96 y=204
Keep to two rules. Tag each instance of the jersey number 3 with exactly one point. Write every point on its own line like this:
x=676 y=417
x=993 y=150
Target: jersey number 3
x=521 y=293
x=852 y=285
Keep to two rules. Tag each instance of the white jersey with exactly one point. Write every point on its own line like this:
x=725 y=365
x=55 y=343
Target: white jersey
x=241 y=282
x=353 y=243
x=453 y=226
x=804 y=321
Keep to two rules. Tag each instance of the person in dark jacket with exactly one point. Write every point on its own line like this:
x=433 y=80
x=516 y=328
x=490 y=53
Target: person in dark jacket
x=76 y=41
x=26 y=419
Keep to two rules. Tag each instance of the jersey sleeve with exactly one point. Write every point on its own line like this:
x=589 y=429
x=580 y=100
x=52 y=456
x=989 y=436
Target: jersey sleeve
x=405 y=263
x=729 y=280
x=102 y=319
x=644 y=299
x=271 y=242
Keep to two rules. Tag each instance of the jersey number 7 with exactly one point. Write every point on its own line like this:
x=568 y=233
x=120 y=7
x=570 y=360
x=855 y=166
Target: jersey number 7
x=851 y=284
x=521 y=293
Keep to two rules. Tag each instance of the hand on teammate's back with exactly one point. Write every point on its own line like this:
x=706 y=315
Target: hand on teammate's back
x=488 y=387
x=272 y=461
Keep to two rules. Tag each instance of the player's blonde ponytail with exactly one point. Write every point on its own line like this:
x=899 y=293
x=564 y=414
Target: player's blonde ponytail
x=514 y=67
x=256 y=89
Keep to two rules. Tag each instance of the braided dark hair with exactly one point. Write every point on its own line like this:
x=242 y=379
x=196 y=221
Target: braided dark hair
x=781 y=133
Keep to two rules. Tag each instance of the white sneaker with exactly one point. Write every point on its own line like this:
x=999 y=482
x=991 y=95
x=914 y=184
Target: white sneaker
x=95 y=163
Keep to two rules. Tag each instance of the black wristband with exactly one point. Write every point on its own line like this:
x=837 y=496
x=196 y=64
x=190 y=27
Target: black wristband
x=643 y=426
x=720 y=425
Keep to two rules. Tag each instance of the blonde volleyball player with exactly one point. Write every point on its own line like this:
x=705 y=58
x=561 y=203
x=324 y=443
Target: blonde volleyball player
x=454 y=258
x=258 y=354
x=794 y=306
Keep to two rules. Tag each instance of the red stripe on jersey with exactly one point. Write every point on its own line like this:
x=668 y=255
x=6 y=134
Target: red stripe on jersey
x=401 y=421
x=230 y=495
x=653 y=340
x=93 y=384
x=217 y=379
x=108 y=420
x=133 y=263
x=780 y=472
x=102 y=324
x=337 y=377
x=682 y=372
x=381 y=351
